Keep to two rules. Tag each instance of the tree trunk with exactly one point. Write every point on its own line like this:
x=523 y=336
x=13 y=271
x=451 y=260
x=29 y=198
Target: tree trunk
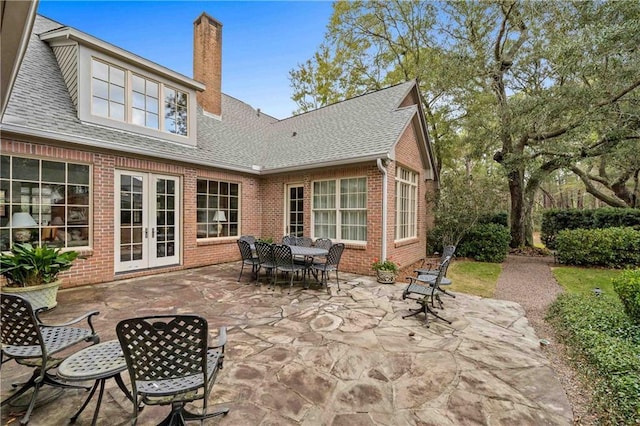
x=517 y=220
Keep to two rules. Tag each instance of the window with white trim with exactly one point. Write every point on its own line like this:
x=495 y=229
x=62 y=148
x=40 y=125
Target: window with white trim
x=218 y=209
x=118 y=93
x=406 y=204
x=340 y=209
x=44 y=202
x=144 y=102
x=108 y=84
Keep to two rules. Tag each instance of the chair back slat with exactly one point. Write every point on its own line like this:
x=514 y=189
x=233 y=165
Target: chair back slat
x=304 y=241
x=282 y=255
x=164 y=347
x=324 y=243
x=248 y=238
x=447 y=251
x=334 y=255
x=245 y=250
x=19 y=326
x=264 y=252
x=442 y=270
x=289 y=240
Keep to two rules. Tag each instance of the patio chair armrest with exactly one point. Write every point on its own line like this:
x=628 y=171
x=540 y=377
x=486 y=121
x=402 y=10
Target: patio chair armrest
x=222 y=339
x=88 y=316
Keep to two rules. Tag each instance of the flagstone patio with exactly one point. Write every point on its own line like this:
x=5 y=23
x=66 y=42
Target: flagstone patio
x=345 y=358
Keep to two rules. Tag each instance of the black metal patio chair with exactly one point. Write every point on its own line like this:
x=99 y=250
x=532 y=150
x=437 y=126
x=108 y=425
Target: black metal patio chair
x=248 y=258
x=266 y=260
x=431 y=267
x=170 y=362
x=441 y=272
x=331 y=263
x=285 y=263
x=424 y=293
x=30 y=342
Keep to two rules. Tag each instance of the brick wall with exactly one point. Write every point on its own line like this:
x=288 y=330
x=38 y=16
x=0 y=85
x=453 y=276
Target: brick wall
x=262 y=208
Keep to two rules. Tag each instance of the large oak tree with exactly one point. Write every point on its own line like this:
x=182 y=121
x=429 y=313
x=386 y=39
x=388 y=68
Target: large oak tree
x=537 y=86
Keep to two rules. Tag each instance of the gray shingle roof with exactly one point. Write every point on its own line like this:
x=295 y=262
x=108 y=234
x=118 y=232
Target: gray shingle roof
x=354 y=129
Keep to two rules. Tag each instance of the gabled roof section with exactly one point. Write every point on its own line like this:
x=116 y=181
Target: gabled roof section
x=66 y=34
x=360 y=129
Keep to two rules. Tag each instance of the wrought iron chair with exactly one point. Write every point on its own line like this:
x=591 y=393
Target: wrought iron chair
x=324 y=243
x=304 y=241
x=289 y=240
x=424 y=295
x=331 y=263
x=265 y=260
x=30 y=342
x=429 y=267
x=285 y=263
x=248 y=258
x=170 y=362
x=443 y=281
x=248 y=238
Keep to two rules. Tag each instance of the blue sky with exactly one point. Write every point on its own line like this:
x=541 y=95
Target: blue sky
x=261 y=40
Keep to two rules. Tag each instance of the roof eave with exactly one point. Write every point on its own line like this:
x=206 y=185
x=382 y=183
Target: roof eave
x=68 y=33
x=9 y=130
x=322 y=164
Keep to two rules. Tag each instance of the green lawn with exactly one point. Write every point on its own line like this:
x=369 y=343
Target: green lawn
x=584 y=280
x=471 y=277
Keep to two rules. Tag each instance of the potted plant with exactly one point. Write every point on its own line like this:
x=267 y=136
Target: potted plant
x=32 y=272
x=386 y=270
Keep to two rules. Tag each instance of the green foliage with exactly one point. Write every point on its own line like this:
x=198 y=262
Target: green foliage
x=487 y=242
x=627 y=286
x=556 y=220
x=461 y=203
x=599 y=332
x=384 y=265
x=611 y=247
x=28 y=265
x=501 y=218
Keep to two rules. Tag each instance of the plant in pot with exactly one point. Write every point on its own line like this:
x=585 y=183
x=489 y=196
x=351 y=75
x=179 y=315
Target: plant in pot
x=386 y=270
x=32 y=272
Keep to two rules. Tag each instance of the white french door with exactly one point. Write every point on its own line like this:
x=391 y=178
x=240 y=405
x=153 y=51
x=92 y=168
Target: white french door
x=147 y=212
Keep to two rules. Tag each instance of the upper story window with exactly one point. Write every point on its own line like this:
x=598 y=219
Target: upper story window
x=144 y=102
x=406 y=204
x=175 y=111
x=120 y=94
x=340 y=209
x=108 y=91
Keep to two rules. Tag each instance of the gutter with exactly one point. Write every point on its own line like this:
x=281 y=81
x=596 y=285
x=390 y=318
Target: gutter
x=385 y=201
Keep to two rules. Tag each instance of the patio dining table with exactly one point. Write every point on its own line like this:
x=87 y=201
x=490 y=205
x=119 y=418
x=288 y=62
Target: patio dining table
x=308 y=251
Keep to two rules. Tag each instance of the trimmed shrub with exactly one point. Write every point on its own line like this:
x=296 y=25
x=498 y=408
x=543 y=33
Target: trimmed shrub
x=627 y=286
x=497 y=218
x=485 y=243
x=607 y=344
x=554 y=221
x=610 y=247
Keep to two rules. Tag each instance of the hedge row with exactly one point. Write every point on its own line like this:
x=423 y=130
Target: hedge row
x=610 y=247
x=554 y=221
x=600 y=333
x=627 y=286
x=486 y=242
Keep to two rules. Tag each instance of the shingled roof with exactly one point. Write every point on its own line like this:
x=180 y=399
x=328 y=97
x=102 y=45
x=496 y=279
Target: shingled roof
x=358 y=129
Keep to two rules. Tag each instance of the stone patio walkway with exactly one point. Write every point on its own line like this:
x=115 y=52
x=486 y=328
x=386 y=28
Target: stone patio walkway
x=347 y=358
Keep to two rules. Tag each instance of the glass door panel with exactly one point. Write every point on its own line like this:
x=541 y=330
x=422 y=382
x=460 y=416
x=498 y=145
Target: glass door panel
x=147 y=233
x=295 y=210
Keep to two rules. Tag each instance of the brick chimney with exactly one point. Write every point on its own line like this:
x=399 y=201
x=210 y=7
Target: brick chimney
x=207 y=62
